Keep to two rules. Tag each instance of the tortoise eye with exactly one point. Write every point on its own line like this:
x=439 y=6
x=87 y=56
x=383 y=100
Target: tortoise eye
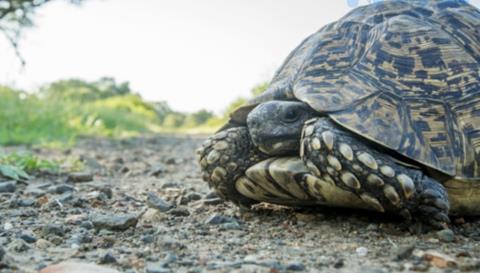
x=291 y=115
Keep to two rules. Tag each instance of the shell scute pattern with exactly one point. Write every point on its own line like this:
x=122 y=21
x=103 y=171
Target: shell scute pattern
x=403 y=74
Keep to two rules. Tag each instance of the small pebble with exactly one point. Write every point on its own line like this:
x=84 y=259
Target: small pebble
x=155 y=202
x=217 y=219
x=28 y=237
x=446 y=235
x=43 y=244
x=180 y=212
x=403 y=252
x=53 y=229
x=62 y=188
x=295 y=266
x=148 y=239
x=171 y=161
x=29 y=202
x=7 y=226
x=361 y=251
x=9 y=186
x=211 y=195
x=87 y=224
x=114 y=221
x=108 y=258
x=80 y=177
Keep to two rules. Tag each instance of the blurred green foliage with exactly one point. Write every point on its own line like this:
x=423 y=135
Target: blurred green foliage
x=62 y=111
x=18 y=166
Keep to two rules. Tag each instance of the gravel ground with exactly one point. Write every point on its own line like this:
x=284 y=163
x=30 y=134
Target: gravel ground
x=141 y=206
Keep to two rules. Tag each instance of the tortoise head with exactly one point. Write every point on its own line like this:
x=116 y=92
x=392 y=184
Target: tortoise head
x=276 y=126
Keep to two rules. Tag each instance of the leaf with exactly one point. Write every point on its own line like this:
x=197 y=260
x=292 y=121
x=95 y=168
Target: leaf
x=13 y=173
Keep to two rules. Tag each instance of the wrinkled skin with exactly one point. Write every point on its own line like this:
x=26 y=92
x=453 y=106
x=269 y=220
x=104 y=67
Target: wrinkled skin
x=276 y=126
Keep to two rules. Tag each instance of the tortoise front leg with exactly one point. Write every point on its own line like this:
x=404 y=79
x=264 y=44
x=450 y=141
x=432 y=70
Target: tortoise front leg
x=224 y=158
x=337 y=155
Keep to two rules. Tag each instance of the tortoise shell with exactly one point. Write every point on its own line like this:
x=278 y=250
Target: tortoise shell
x=402 y=74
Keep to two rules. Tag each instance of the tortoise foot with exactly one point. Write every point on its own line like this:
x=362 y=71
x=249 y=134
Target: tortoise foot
x=224 y=157
x=337 y=155
x=433 y=204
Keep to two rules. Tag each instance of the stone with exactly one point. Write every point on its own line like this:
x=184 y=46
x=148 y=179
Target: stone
x=28 y=237
x=7 y=226
x=155 y=202
x=62 y=188
x=80 y=177
x=180 y=212
x=171 y=161
x=115 y=222
x=54 y=229
x=403 y=252
x=43 y=244
x=211 y=195
x=295 y=266
x=361 y=251
x=87 y=224
x=446 y=235
x=108 y=258
x=9 y=186
x=193 y=196
x=148 y=238
x=28 y=202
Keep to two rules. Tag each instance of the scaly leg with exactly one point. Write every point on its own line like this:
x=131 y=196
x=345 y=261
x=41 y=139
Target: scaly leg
x=224 y=158
x=339 y=155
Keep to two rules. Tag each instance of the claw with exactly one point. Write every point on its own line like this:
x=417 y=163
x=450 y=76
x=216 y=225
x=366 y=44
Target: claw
x=429 y=194
x=406 y=215
x=439 y=203
x=442 y=217
x=437 y=224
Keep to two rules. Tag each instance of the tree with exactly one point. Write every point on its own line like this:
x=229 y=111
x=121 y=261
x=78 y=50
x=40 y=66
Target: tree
x=18 y=14
x=81 y=90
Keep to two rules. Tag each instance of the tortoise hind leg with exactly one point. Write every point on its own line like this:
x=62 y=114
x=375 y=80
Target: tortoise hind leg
x=378 y=179
x=433 y=203
x=224 y=158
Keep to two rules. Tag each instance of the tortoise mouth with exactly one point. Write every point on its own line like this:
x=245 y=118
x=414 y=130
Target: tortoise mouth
x=277 y=146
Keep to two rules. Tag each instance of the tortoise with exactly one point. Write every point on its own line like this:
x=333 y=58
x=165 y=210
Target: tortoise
x=378 y=110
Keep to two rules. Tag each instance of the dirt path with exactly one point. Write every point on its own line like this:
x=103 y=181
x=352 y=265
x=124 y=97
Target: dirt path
x=147 y=210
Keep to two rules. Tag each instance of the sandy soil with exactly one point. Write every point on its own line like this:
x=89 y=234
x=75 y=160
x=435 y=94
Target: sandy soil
x=146 y=209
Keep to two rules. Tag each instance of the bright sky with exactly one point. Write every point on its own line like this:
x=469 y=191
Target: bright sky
x=191 y=53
